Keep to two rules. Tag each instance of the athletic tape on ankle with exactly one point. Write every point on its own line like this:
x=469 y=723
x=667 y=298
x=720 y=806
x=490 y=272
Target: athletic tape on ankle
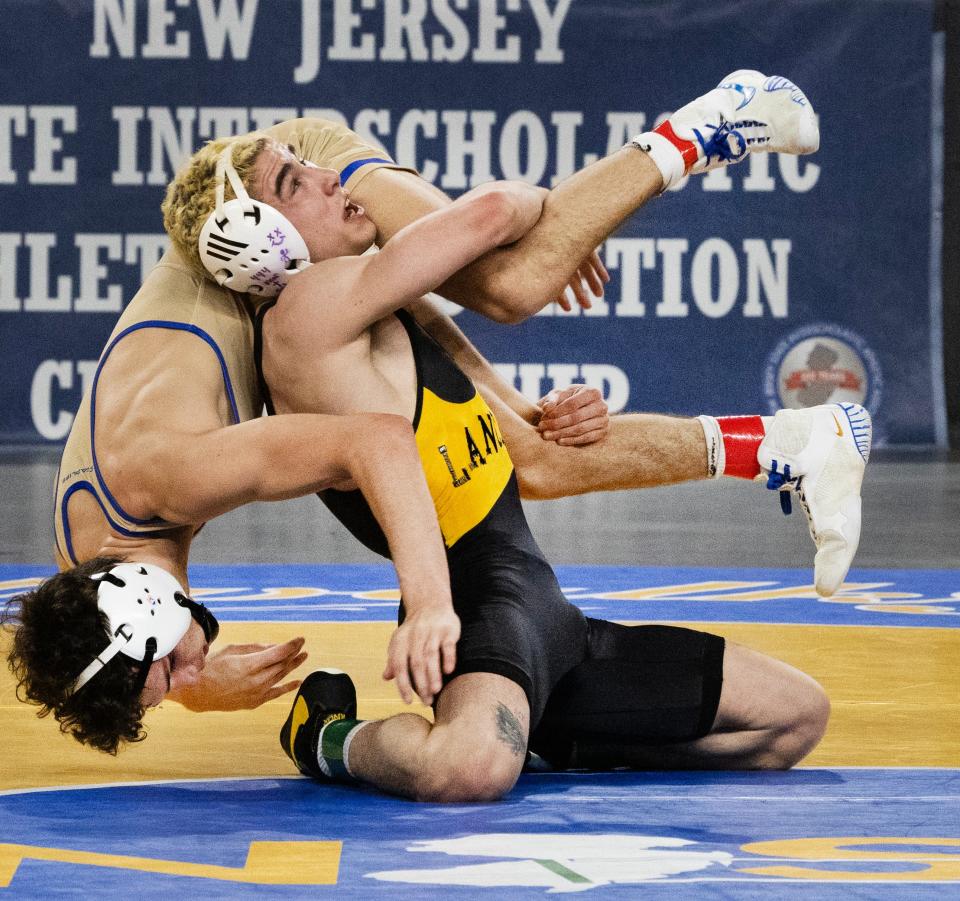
x=742 y=436
x=716 y=455
x=351 y=735
x=331 y=748
x=665 y=155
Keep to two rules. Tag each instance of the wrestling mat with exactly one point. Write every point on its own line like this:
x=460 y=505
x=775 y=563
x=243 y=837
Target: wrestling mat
x=208 y=806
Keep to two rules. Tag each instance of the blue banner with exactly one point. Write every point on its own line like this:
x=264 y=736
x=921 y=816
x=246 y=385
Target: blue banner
x=780 y=282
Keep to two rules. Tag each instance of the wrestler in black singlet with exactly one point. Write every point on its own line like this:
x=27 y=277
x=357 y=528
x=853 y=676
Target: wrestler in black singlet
x=515 y=620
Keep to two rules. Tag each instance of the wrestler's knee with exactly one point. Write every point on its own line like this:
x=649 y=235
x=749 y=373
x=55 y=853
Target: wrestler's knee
x=780 y=712
x=535 y=464
x=805 y=726
x=484 y=772
x=799 y=726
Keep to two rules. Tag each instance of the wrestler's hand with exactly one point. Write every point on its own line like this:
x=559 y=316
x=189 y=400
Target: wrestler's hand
x=243 y=676
x=574 y=415
x=594 y=273
x=421 y=651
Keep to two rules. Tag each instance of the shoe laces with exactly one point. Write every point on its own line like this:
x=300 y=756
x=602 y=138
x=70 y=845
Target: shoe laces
x=718 y=144
x=781 y=480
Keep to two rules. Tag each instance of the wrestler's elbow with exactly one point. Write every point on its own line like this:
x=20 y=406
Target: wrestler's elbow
x=496 y=217
x=507 y=310
x=536 y=481
x=376 y=438
x=379 y=429
x=306 y=123
x=494 y=288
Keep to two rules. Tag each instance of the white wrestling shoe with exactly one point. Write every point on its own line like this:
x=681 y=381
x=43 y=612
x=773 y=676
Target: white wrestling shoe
x=820 y=455
x=748 y=112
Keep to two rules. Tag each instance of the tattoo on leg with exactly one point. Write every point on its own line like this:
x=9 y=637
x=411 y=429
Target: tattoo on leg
x=509 y=730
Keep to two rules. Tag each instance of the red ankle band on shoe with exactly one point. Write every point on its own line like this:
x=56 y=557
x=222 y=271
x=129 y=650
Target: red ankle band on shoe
x=741 y=440
x=688 y=150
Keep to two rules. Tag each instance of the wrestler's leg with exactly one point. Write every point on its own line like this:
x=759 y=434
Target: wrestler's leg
x=474 y=751
x=635 y=710
x=514 y=282
x=771 y=716
x=641 y=450
x=745 y=113
x=817 y=456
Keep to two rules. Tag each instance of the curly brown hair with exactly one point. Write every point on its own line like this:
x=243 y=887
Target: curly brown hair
x=58 y=629
x=191 y=196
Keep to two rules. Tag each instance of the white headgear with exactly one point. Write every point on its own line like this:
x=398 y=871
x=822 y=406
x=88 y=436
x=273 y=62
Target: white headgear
x=148 y=612
x=246 y=245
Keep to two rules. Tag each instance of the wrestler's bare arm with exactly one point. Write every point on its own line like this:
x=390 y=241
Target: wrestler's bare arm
x=165 y=451
x=359 y=291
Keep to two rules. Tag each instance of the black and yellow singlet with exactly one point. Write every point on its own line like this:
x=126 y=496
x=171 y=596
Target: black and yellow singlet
x=515 y=621
x=466 y=463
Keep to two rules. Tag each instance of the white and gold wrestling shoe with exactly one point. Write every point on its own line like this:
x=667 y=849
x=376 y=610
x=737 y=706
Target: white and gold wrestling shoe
x=819 y=456
x=748 y=112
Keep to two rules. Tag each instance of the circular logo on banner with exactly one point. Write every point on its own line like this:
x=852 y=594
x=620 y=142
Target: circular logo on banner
x=820 y=364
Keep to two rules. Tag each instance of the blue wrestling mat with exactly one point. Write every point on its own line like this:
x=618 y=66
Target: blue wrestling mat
x=364 y=593
x=825 y=833
x=678 y=835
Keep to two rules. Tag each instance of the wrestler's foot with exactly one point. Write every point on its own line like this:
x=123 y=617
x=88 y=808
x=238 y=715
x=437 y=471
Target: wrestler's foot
x=820 y=454
x=747 y=112
x=324 y=697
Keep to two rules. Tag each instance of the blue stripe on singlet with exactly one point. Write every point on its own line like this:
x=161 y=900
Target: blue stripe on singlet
x=86 y=486
x=356 y=164
x=150 y=323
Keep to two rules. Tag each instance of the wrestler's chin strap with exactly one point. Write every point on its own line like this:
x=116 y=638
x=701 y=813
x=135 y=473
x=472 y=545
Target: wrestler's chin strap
x=203 y=618
x=151 y=650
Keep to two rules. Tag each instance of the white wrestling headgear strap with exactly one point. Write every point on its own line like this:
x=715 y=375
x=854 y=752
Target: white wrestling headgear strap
x=148 y=613
x=246 y=245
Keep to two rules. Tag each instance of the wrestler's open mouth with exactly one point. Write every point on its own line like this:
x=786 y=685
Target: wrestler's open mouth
x=351 y=209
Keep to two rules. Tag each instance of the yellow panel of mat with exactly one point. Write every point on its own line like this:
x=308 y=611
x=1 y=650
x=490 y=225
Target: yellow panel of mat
x=894 y=693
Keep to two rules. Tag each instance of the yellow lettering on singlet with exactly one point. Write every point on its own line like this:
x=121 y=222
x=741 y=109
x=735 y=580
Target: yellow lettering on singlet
x=465 y=461
x=268 y=863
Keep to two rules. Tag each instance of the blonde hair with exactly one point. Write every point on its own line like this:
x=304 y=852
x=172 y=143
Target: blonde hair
x=191 y=196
